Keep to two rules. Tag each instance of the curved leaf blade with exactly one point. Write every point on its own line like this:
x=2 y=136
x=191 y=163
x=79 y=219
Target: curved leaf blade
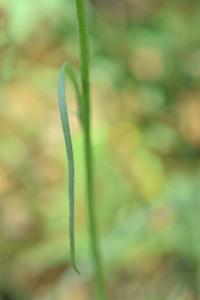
x=69 y=151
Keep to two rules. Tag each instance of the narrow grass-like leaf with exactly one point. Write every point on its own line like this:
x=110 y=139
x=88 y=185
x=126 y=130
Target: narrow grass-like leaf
x=69 y=150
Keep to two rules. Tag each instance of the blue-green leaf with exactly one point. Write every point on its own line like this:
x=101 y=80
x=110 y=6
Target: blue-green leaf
x=69 y=151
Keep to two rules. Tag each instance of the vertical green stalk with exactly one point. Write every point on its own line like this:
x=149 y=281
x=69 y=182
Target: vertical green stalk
x=85 y=75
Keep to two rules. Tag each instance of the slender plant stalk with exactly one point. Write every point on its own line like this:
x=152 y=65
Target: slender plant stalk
x=85 y=75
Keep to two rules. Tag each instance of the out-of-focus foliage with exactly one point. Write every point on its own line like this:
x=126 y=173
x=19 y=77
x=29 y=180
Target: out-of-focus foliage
x=145 y=60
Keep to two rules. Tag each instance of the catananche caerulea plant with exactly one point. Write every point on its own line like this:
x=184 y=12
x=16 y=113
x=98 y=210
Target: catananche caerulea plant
x=83 y=97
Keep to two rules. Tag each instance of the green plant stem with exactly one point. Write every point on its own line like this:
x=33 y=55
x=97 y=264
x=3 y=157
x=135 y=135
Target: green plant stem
x=84 y=53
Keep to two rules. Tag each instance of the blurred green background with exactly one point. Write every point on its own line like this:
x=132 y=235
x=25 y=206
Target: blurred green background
x=145 y=75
